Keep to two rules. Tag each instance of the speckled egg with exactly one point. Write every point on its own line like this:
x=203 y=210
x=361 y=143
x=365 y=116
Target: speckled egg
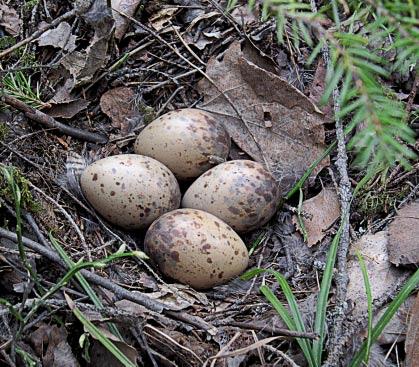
x=130 y=190
x=188 y=141
x=242 y=193
x=195 y=248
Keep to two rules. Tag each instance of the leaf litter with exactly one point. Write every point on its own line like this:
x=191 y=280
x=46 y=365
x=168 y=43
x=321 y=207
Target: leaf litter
x=269 y=120
x=276 y=124
x=319 y=214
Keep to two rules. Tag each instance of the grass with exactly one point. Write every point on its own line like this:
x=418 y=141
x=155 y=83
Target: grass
x=314 y=350
x=13 y=185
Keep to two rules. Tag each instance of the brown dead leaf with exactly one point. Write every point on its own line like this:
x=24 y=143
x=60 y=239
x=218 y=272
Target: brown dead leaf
x=84 y=64
x=316 y=90
x=9 y=20
x=412 y=337
x=50 y=344
x=296 y=137
x=67 y=110
x=244 y=15
x=101 y=357
x=59 y=37
x=395 y=330
x=127 y=7
x=382 y=274
x=320 y=212
x=162 y=18
x=403 y=244
x=118 y=105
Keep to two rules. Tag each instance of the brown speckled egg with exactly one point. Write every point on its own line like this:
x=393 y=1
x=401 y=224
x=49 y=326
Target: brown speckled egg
x=196 y=248
x=242 y=193
x=130 y=190
x=188 y=141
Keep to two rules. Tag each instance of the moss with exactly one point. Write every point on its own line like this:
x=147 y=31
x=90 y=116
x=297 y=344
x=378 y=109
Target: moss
x=27 y=200
x=29 y=5
x=6 y=42
x=371 y=203
x=4 y=131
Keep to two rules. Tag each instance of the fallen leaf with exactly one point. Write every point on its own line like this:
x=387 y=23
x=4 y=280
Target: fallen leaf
x=118 y=105
x=395 y=330
x=296 y=137
x=50 y=344
x=316 y=90
x=403 y=244
x=127 y=7
x=320 y=212
x=68 y=109
x=162 y=18
x=244 y=15
x=59 y=37
x=412 y=337
x=9 y=20
x=101 y=357
x=382 y=274
x=84 y=64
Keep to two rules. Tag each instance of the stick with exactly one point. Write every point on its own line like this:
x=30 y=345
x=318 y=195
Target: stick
x=345 y=195
x=46 y=120
x=119 y=291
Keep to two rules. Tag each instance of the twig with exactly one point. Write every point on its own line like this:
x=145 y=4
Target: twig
x=345 y=195
x=46 y=120
x=119 y=291
x=266 y=328
x=39 y=32
x=199 y=70
x=68 y=217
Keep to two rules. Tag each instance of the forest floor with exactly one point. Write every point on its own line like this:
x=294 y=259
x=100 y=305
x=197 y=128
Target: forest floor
x=80 y=85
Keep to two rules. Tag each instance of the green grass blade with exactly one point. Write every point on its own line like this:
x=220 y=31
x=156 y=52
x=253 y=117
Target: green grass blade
x=320 y=320
x=407 y=289
x=368 y=291
x=293 y=320
x=296 y=315
x=289 y=321
x=83 y=282
x=96 y=333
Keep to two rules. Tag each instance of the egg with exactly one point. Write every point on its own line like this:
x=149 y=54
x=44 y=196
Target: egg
x=130 y=190
x=188 y=141
x=195 y=248
x=242 y=193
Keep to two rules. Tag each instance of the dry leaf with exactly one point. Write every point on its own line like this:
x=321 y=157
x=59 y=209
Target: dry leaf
x=101 y=357
x=68 y=109
x=118 y=105
x=382 y=275
x=59 y=37
x=320 y=212
x=9 y=20
x=127 y=7
x=50 y=344
x=162 y=18
x=244 y=15
x=403 y=244
x=316 y=90
x=412 y=337
x=84 y=64
x=296 y=137
x=395 y=330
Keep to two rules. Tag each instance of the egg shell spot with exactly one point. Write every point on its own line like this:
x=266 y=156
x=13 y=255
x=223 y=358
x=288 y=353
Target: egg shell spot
x=122 y=189
x=200 y=257
x=241 y=193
